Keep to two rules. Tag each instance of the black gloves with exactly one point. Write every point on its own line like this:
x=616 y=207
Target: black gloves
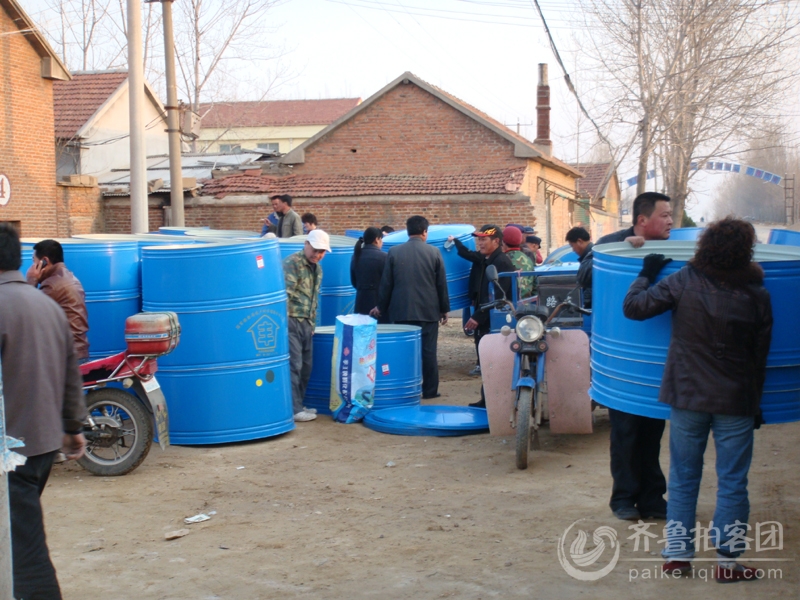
x=653 y=263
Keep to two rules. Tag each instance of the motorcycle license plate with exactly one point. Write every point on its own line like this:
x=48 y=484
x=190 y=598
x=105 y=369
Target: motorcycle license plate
x=151 y=386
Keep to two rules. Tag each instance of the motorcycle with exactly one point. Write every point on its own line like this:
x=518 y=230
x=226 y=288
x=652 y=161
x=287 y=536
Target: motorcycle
x=528 y=380
x=124 y=401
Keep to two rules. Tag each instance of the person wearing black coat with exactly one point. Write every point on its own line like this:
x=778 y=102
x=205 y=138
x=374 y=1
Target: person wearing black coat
x=713 y=381
x=366 y=270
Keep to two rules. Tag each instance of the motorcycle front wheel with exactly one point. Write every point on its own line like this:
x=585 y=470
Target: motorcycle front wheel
x=122 y=435
x=524 y=403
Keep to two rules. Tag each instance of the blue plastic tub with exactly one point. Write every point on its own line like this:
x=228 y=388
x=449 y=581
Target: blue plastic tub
x=228 y=380
x=456 y=267
x=628 y=356
x=784 y=237
x=398 y=365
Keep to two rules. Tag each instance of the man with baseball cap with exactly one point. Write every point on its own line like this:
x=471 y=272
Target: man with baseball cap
x=488 y=240
x=533 y=243
x=303 y=276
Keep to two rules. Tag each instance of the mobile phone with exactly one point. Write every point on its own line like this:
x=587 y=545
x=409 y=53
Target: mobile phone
x=43 y=263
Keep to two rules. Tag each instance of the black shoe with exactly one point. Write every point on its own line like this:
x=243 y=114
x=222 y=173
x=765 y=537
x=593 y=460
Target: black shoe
x=655 y=514
x=436 y=395
x=478 y=404
x=627 y=513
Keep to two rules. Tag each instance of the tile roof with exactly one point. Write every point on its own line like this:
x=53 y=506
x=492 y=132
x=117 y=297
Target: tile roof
x=504 y=181
x=594 y=175
x=275 y=113
x=76 y=101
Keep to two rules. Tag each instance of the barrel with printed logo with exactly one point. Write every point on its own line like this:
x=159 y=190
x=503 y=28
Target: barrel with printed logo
x=228 y=380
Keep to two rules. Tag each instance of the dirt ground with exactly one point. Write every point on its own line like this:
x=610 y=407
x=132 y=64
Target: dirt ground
x=317 y=513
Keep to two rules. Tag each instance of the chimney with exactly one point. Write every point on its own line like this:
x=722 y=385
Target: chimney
x=543 y=112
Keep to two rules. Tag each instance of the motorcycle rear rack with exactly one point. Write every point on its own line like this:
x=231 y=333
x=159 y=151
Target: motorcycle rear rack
x=135 y=370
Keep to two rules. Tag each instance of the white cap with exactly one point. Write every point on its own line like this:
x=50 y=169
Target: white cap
x=319 y=240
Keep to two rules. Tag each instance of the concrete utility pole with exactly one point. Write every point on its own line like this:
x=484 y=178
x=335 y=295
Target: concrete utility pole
x=173 y=121
x=139 y=220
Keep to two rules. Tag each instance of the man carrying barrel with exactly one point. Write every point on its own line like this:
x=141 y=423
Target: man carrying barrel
x=639 y=483
x=303 y=276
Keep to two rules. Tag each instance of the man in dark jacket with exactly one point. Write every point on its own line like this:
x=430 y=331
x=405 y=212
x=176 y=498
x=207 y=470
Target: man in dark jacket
x=51 y=275
x=414 y=292
x=490 y=252
x=639 y=482
x=44 y=407
x=713 y=381
x=578 y=239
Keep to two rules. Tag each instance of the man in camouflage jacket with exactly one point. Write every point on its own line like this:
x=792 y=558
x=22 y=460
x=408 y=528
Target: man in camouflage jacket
x=512 y=240
x=303 y=276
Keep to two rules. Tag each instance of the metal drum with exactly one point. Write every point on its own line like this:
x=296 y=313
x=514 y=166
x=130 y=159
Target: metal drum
x=457 y=268
x=228 y=380
x=398 y=365
x=628 y=356
x=685 y=234
x=109 y=273
x=337 y=294
x=784 y=237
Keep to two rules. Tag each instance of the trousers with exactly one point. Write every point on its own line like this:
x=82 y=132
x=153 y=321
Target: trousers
x=34 y=574
x=635 y=447
x=301 y=347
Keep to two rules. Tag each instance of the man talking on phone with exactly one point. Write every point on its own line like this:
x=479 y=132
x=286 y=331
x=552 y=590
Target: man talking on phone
x=50 y=274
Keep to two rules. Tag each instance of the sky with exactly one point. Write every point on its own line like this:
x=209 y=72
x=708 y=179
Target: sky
x=485 y=52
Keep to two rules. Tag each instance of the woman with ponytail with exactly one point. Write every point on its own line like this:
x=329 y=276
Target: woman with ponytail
x=366 y=269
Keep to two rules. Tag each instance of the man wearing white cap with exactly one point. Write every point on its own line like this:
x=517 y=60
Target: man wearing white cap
x=303 y=276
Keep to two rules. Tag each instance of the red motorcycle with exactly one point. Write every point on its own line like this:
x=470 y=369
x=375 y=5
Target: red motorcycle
x=124 y=400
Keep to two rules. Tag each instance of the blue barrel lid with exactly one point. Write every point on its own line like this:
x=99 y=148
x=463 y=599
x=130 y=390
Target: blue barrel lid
x=431 y=416
x=394 y=429
x=784 y=237
x=687 y=234
x=436 y=233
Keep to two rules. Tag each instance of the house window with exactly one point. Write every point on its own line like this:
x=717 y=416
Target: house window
x=230 y=147
x=273 y=147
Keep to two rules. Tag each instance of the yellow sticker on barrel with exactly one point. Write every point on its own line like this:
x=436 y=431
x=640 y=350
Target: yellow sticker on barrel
x=259 y=383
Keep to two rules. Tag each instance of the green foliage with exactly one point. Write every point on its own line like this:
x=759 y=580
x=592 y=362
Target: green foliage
x=687 y=221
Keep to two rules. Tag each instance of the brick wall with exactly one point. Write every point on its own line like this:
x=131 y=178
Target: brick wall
x=335 y=215
x=409 y=131
x=27 y=143
x=117 y=213
x=81 y=209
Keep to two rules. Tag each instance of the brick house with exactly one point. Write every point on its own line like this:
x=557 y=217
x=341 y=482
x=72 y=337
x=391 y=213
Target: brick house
x=268 y=126
x=411 y=148
x=598 y=208
x=29 y=196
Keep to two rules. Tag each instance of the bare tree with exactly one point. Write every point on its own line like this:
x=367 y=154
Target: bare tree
x=695 y=77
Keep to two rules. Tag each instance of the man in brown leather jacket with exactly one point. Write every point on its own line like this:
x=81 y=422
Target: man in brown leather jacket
x=51 y=275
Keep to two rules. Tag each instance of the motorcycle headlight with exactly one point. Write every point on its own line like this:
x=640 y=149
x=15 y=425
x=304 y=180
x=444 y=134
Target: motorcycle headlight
x=529 y=329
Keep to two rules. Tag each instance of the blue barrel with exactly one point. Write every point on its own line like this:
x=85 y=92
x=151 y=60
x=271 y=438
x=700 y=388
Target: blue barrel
x=784 y=237
x=178 y=230
x=398 y=365
x=223 y=234
x=353 y=233
x=337 y=296
x=628 y=356
x=109 y=274
x=457 y=268
x=685 y=234
x=228 y=380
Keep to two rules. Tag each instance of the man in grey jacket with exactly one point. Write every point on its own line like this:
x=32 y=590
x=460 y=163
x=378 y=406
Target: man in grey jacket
x=413 y=290
x=44 y=408
x=289 y=223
